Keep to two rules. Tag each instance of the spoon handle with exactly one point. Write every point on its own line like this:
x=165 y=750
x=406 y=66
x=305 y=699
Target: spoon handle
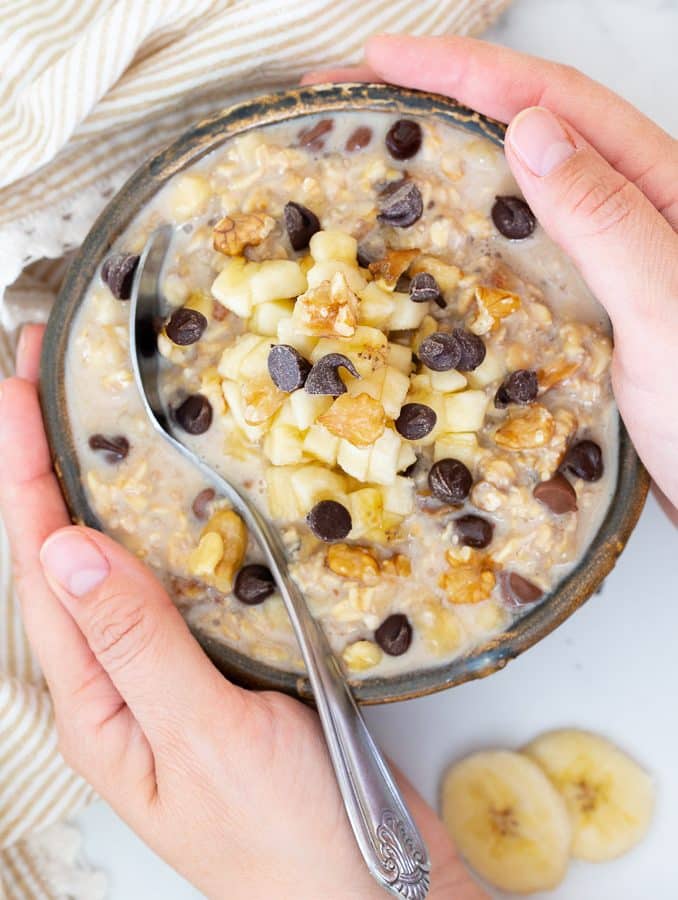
x=384 y=830
x=386 y=835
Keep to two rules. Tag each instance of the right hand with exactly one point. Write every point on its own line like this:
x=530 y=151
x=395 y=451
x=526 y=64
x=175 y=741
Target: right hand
x=603 y=181
x=233 y=788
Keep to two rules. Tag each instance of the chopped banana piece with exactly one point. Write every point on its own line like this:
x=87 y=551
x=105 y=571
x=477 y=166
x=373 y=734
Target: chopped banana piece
x=233 y=286
x=465 y=411
x=267 y=316
x=328 y=245
x=283 y=445
x=313 y=483
x=361 y=656
x=276 y=279
x=322 y=444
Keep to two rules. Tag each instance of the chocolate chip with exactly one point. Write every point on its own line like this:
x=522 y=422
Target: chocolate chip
x=186 y=326
x=314 y=137
x=520 y=386
x=394 y=635
x=329 y=521
x=201 y=504
x=472 y=350
x=358 y=139
x=440 y=351
x=585 y=460
x=513 y=218
x=401 y=204
x=253 y=584
x=114 y=448
x=450 y=480
x=474 y=531
x=415 y=421
x=194 y=415
x=424 y=288
x=324 y=376
x=518 y=591
x=287 y=367
x=301 y=224
x=557 y=493
x=403 y=139
x=118 y=273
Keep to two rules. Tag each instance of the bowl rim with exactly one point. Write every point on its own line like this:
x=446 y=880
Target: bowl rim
x=287 y=104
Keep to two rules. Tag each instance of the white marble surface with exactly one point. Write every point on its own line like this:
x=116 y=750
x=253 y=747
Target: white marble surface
x=612 y=667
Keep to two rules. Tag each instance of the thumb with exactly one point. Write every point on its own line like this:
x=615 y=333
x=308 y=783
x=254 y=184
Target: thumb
x=622 y=245
x=135 y=632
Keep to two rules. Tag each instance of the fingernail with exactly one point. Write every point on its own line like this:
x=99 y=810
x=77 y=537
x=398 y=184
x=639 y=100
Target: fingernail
x=540 y=141
x=74 y=562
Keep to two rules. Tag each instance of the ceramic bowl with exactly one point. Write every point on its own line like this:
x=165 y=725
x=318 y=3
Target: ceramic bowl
x=568 y=596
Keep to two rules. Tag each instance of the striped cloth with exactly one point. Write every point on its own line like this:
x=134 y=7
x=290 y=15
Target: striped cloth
x=88 y=88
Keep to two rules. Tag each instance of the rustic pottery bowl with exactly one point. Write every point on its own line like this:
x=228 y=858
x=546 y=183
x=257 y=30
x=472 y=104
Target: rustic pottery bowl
x=569 y=595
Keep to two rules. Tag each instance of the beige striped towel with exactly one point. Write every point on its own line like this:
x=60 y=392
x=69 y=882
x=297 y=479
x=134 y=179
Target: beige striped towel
x=87 y=89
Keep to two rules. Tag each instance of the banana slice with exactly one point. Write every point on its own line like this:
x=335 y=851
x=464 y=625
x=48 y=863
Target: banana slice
x=610 y=799
x=508 y=821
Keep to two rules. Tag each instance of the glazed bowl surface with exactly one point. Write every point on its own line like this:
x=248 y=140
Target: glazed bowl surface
x=632 y=480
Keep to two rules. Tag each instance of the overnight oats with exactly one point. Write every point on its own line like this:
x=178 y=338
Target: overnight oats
x=367 y=331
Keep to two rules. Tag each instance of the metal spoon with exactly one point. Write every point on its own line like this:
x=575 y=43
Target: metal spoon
x=383 y=827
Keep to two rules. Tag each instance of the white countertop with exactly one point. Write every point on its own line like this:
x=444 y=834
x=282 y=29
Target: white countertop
x=612 y=666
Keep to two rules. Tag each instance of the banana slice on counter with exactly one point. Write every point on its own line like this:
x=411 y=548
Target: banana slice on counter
x=508 y=821
x=610 y=799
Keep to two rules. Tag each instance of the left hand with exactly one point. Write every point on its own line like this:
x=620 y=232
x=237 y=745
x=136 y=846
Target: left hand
x=233 y=788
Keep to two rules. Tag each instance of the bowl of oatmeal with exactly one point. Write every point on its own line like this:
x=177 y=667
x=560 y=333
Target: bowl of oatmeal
x=368 y=331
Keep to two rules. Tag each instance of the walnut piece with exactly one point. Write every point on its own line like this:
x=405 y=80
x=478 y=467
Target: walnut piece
x=555 y=373
x=526 y=429
x=359 y=418
x=221 y=550
x=398 y=565
x=239 y=230
x=388 y=270
x=261 y=399
x=469 y=578
x=356 y=563
x=493 y=305
x=328 y=310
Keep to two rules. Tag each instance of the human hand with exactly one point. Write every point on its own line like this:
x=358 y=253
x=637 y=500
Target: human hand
x=233 y=788
x=603 y=181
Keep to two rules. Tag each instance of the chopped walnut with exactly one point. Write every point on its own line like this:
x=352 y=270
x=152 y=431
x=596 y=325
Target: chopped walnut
x=261 y=399
x=555 y=373
x=398 y=565
x=388 y=270
x=239 y=230
x=493 y=305
x=469 y=578
x=328 y=310
x=360 y=419
x=356 y=563
x=526 y=429
x=221 y=550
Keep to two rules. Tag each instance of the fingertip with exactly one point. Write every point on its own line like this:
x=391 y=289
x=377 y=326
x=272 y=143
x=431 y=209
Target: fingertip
x=28 y=352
